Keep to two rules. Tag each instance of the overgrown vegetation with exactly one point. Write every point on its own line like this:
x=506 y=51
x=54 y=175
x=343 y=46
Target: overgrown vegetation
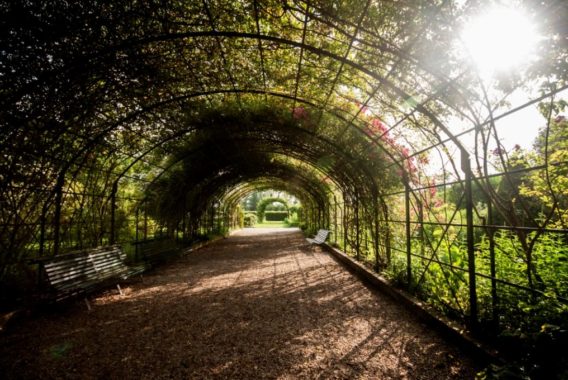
x=122 y=121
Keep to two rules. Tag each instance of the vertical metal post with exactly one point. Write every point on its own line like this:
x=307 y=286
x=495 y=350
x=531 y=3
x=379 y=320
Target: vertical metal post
x=145 y=224
x=344 y=223
x=492 y=266
x=421 y=227
x=466 y=167
x=376 y=231
x=43 y=221
x=136 y=220
x=114 y=190
x=357 y=230
x=334 y=218
x=57 y=214
x=408 y=236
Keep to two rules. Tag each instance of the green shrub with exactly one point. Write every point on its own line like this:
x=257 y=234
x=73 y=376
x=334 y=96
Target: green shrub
x=250 y=220
x=292 y=220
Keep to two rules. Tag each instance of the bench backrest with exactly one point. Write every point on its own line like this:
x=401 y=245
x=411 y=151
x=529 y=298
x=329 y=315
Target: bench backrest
x=74 y=269
x=108 y=261
x=68 y=270
x=321 y=236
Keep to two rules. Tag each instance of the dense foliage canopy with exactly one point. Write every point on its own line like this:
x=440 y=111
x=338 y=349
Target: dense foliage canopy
x=123 y=119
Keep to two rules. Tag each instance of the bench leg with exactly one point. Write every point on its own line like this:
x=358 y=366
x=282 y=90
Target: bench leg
x=119 y=289
x=88 y=304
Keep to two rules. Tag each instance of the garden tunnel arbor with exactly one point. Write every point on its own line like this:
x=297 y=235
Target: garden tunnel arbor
x=266 y=202
x=117 y=114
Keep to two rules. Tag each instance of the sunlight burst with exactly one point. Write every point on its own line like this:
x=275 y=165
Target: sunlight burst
x=500 y=40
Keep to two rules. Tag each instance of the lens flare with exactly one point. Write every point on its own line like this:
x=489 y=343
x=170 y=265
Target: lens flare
x=500 y=40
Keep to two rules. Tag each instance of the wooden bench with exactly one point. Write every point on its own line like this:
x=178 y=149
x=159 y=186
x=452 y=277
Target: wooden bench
x=320 y=237
x=80 y=273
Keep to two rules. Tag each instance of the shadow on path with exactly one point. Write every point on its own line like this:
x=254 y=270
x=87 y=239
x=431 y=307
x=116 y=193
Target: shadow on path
x=255 y=305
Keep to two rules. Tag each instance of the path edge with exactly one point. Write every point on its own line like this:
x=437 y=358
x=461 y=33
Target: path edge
x=451 y=330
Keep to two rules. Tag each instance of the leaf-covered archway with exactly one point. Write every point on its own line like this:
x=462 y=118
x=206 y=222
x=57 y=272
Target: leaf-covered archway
x=121 y=119
x=265 y=202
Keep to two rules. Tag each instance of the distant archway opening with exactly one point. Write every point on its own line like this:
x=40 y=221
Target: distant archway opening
x=266 y=202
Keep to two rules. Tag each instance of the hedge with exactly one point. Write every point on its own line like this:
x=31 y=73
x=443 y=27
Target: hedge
x=275 y=216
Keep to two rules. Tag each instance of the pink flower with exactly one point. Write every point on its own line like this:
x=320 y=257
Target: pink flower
x=379 y=126
x=497 y=151
x=299 y=113
x=432 y=191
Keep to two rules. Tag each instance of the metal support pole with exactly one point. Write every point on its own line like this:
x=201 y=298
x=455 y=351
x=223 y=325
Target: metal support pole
x=145 y=224
x=466 y=167
x=408 y=236
x=114 y=190
x=57 y=214
x=492 y=266
x=136 y=220
x=376 y=232
x=344 y=215
x=421 y=227
x=334 y=218
x=357 y=230
x=43 y=221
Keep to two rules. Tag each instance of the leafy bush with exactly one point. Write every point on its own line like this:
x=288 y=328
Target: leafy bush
x=250 y=220
x=240 y=217
x=292 y=220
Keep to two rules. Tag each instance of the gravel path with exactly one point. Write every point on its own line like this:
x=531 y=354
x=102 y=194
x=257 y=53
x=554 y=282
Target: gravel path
x=260 y=304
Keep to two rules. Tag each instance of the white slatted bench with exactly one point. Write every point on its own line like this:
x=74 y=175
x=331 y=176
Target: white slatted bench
x=320 y=237
x=80 y=273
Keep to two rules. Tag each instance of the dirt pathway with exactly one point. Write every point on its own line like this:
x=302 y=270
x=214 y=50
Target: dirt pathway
x=257 y=305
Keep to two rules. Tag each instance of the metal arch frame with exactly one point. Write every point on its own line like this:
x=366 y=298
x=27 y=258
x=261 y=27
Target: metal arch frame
x=215 y=187
x=178 y=134
x=466 y=166
x=321 y=52
x=234 y=195
x=312 y=163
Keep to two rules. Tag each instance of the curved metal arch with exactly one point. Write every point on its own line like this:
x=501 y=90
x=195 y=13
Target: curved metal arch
x=313 y=162
x=176 y=135
x=307 y=182
x=321 y=52
x=215 y=188
x=315 y=50
x=293 y=172
x=242 y=190
x=307 y=200
x=92 y=143
x=386 y=46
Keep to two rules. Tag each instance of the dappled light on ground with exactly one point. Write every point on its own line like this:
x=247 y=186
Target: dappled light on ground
x=259 y=304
